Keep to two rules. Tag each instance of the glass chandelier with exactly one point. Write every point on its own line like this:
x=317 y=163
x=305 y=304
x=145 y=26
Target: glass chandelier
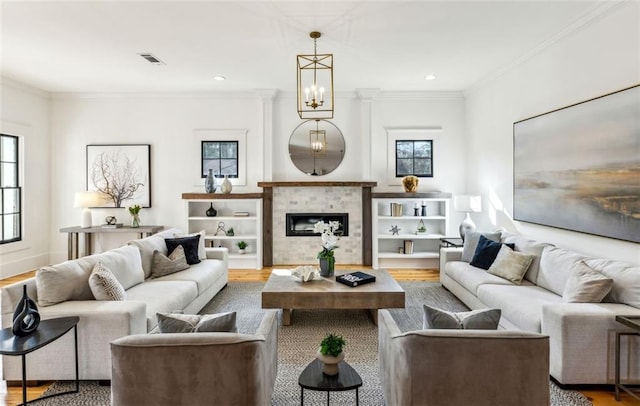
x=315 y=83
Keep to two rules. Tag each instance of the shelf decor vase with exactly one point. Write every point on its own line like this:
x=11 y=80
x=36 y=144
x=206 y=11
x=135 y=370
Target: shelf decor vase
x=26 y=317
x=135 y=221
x=226 y=186
x=210 y=182
x=330 y=364
x=211 y=212
x=327 y=266
x=410 y=184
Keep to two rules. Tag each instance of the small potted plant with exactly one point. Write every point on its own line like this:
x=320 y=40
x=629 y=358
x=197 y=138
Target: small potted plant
x=241 y=246
x=231 y=232
x=330 y=353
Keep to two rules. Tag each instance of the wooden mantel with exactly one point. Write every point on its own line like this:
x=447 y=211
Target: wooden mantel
x=307 y=183
x=267 y=211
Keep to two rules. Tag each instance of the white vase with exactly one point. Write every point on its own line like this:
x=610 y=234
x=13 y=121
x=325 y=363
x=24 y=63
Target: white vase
x=330 y=363
x=226 y=185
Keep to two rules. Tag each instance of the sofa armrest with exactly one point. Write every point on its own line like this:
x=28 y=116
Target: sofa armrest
x=390 y=375
x=220 y=253
x=449 y=254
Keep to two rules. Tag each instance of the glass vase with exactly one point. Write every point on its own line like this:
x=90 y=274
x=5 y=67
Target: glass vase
x=135 y=221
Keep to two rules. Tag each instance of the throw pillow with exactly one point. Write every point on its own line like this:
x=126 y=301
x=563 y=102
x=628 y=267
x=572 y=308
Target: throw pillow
x=196 y=323
x=483 y=319
x=471 y=242
x=202 y=253
x=190 y=245
x=586 y=285
x=486 y=252
x=104 y=285
x=510 y=265
x=161 y=265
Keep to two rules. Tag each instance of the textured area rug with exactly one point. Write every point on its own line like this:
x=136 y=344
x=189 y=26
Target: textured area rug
x=298 y=343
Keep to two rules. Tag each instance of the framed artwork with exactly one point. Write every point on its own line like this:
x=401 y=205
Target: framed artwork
x=578 y=167
x=121 y=173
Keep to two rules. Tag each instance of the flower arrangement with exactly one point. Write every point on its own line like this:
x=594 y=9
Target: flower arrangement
x=134 y=210
x=329 y=238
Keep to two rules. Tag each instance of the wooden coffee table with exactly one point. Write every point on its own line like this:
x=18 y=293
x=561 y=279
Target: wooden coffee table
x=286 y=292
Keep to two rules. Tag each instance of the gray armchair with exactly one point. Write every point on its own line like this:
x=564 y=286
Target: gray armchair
x=196 y=368
x=462 y=367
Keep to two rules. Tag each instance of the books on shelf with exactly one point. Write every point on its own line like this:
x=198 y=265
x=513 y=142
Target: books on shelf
x=118 y=225
x=354 y=279
x=241 y=213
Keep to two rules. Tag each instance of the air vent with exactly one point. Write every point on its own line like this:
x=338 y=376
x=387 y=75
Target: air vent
x=151 y=58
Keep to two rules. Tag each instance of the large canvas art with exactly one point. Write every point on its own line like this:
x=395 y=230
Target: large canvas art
x=578 y=168
x=121 y=173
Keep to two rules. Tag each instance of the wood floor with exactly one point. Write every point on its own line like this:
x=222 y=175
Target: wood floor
x=13 y=395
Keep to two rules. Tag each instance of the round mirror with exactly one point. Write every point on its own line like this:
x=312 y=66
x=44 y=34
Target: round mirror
x=316 y=147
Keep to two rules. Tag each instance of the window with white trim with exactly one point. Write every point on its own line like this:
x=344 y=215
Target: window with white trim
x=414 y=157
x=10 y=190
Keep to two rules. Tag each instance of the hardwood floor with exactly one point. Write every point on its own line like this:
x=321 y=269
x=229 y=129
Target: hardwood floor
x=13 y=395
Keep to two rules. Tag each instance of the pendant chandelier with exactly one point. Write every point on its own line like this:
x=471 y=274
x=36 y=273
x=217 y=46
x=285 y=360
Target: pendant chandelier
x=318 y=141
x=315 y=83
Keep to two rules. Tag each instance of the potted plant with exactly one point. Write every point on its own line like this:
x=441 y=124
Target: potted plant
x=330 y=353
x=231 y=232
x=241 y=246
x=328 y=232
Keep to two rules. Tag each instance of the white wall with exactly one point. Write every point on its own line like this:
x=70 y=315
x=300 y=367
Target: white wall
x=24 y=111
x=600 y=57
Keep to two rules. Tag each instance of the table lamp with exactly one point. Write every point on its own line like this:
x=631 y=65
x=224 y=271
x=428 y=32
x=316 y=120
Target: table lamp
x=86 y=200
x=467 y=204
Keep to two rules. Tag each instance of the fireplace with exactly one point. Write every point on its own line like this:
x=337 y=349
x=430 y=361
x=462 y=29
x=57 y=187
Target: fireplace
x=301 y=224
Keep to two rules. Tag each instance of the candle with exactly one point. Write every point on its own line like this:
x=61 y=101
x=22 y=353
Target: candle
x=322 y=94
x=306 y=94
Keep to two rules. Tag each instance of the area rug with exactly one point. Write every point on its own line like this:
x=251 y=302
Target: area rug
x=298 y=343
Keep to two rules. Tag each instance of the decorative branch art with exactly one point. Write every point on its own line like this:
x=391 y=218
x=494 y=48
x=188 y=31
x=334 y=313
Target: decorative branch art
x=121 y=173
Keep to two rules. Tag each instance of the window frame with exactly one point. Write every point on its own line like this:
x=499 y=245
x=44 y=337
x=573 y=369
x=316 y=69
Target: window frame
x=413 y=158
x=202 y=158
x=15 y=187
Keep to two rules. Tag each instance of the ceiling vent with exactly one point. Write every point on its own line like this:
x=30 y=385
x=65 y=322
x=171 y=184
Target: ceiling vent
x=152 y=59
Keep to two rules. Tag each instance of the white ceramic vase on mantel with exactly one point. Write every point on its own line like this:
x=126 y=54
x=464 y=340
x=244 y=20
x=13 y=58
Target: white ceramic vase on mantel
x=226 y=186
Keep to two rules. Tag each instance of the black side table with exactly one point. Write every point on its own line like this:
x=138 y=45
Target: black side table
x=312 y=378
x=48 y=331
x=634 y=323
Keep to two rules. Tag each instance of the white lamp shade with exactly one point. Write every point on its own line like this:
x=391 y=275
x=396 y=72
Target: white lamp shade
x=86 y=199
x=467 y=203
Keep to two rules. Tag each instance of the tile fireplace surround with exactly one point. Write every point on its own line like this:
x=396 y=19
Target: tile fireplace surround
x=281 y=198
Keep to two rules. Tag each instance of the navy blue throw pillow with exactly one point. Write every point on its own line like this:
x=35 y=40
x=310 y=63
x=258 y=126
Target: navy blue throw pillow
x=189 y=244
x=486 y=252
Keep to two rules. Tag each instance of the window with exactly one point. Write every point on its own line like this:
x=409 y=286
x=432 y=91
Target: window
x=221 y=156
x=10 y=190
x=414 y=157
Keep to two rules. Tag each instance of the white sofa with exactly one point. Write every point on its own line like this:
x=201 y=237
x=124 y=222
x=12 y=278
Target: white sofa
x=101 y=322
x=581 y=335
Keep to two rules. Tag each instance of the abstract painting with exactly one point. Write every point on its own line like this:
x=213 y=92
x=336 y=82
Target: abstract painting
x=578 y=167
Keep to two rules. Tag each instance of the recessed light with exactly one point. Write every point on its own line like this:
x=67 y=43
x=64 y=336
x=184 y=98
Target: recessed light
x=219 y=77
x=430 y=76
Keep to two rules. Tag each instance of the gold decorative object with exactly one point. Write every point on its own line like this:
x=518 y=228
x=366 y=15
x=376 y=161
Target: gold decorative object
x=410 y=183
x=315 y=83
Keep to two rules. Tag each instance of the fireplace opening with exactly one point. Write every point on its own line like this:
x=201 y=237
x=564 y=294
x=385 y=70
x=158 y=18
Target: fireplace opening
x=301 y=224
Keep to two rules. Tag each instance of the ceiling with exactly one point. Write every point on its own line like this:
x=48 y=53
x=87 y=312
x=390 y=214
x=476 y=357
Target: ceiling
x=93 y=46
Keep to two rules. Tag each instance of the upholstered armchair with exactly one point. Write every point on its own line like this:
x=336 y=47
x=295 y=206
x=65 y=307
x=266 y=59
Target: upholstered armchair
x=462 y=367
x=196 y=368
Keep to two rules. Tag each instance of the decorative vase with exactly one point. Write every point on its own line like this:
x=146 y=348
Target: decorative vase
x=410 y=184
x=327 y=266
x=330 y=363
x=226 y=185
x=210 y=182
x=135 y=221
x=211 y=212
x=26 y=317
x=241 y=251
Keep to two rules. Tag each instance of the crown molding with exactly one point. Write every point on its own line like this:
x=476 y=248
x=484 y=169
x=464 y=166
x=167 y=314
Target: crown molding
x=155 y=95
x=12 y=83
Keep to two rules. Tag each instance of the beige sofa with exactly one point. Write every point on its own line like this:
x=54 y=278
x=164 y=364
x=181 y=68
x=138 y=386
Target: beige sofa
x=196 y=368
x=582 y=335
x=104 y=321
x=462 y=367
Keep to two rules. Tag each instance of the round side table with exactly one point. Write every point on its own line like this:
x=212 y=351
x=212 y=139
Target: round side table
x=312 y=378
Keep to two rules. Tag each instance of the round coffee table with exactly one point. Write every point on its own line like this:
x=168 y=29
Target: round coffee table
x=312 y=378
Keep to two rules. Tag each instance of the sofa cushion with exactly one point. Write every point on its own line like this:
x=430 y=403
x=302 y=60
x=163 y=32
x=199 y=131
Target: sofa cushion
x=585 y=285
x=471 y=277
x=471 y=242
x=510 y=265
x=482 y=319
x=147 y=245
x=123 y=262
x=202 y=252
x=62 y=282
x=486 y=252
x=104 y=285
x=555 y=268
x=165 y=265
x=163 y=297
x=204 y=274
x=521 y=305
x=529 y=247
x=197 y=323
x=626 y=280
x=190 y=245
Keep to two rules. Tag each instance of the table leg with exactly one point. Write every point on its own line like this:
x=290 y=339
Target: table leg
x=24 y=379
x=286 y=317
x=617 y=372
x=357 y=397
x=328 y=397
x=75 y=339
x=374 y=316
x=76 y=246
x=301 y=396
x=70 y=246
x=88 y=244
